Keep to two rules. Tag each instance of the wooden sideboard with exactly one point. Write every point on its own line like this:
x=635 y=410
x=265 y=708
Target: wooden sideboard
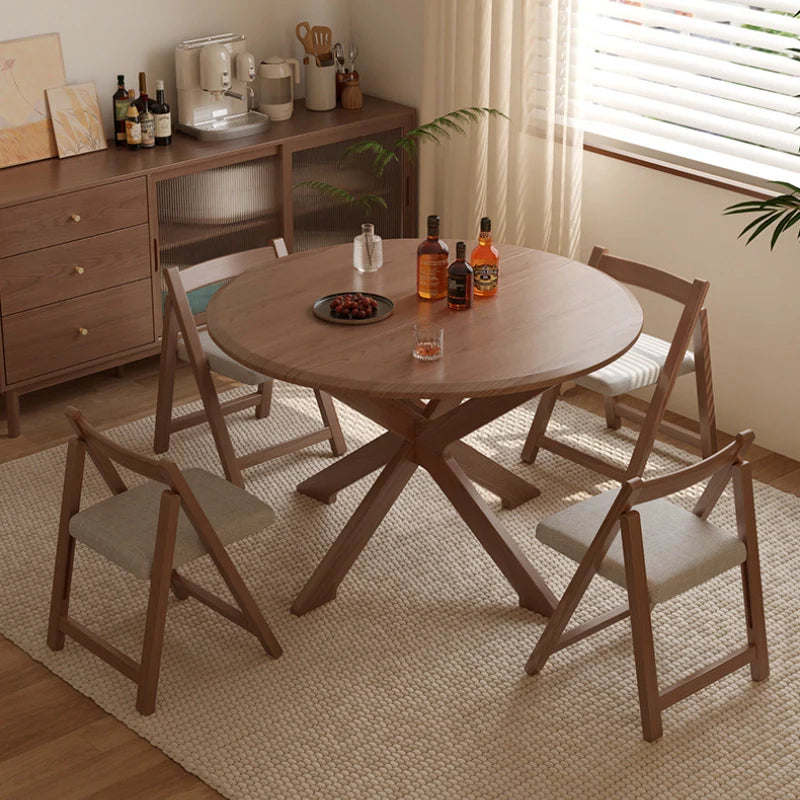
x=83 y=241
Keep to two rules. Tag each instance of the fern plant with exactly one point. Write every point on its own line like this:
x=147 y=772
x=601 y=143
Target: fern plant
x=435 y=131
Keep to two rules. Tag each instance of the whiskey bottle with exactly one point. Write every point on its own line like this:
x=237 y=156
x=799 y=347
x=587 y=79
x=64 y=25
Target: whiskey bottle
x=120 y=99
x=432 y=258
x=142 y=101
x=485 y=262
x=133 y=128
x=162 y=117
x=459 y=280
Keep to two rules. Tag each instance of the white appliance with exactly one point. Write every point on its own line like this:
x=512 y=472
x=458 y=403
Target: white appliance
x=276 y=79
x=212 y=76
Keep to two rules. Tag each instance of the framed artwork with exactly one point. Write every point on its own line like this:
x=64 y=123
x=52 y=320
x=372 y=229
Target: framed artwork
x=27 y=68
x=75 y=115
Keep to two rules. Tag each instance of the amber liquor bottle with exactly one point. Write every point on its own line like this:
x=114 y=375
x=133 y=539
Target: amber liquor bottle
x=133 y=128
x=121 y=103
x=485 y=262
x=432 y=259
x=459 y=280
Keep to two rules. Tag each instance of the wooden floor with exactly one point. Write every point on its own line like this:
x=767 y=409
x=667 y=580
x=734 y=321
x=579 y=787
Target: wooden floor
x=56 y=743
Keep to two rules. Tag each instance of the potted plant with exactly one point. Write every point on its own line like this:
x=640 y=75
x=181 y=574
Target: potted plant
x=434 y=131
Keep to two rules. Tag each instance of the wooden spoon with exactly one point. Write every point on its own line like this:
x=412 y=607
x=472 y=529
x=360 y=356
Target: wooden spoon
x=303 y=31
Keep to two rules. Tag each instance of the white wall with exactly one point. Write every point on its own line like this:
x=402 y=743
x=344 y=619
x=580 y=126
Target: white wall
x=100 y=40
x=389 y=36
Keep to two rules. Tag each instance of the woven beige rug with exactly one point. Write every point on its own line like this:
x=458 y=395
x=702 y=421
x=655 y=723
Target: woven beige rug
x=411 y=684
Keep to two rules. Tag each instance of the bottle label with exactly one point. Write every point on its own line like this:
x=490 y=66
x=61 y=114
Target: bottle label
x=485 y=277
x=163 y=125
x=457 y=291
x=148 y=133
x=121 y=109
x=133 y=132
x=432 y=275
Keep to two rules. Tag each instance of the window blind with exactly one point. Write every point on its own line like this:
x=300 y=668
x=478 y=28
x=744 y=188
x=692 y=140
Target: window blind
x=711 y=81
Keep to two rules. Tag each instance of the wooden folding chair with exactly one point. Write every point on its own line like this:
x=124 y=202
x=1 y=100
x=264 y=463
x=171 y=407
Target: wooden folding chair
x=664 y=551
x=152 y=530
x=651 y=361
x=182 y=338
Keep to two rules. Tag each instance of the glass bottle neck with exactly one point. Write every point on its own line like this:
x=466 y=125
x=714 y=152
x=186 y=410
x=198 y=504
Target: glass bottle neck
x=485 y=237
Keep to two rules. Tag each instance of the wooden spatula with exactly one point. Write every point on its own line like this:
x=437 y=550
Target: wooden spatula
x=321 y=39
x=304 y=31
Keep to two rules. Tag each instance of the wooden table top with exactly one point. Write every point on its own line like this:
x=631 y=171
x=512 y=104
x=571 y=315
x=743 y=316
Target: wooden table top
x=551 y=320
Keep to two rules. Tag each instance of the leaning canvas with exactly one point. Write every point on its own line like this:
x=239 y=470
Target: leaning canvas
x=75 y=115
x=27 y=68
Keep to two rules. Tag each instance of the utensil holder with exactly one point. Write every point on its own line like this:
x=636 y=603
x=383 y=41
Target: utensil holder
x=320 y=86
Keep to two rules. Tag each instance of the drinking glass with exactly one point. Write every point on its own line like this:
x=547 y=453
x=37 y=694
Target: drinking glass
x=428 y=341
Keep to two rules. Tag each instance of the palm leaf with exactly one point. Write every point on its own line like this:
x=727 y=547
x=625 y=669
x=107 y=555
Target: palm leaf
x=789 y=219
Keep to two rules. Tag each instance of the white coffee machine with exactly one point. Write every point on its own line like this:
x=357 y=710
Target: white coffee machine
x=213 y=74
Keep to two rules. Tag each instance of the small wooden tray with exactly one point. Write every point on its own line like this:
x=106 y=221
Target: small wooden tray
x=322 y=309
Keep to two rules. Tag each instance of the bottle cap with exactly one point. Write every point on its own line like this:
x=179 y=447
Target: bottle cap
x=433 y=219
x=461 y=250
x=159 y=85
x=121 y=79
x=486 y=225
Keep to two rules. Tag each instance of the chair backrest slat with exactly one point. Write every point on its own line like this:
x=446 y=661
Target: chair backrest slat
x=643 y=276
x=104 y=451
x=226 y=267
x=718 y=463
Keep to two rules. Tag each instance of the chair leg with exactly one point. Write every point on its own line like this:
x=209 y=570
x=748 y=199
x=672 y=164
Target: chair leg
x=613 y=420
x=539 y=425
x=705 y=389
x=330 y=419
x=641 y=628
x=265 y=403
x=166 y=382
x=751 y=571
x=160 y=578
x=65 y=547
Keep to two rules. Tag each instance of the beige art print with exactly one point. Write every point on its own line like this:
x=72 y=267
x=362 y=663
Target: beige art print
x=27 y=68
x=75 y=114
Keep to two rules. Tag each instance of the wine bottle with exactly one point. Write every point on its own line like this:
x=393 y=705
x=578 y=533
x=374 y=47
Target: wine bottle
x=120 y=99
x=485 y=262
x=133 y=128
x=432 y=258
x=459 y=280
x=142 y=101
x=161 y=116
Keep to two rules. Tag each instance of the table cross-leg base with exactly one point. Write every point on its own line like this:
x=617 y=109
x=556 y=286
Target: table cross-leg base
x=426 y=435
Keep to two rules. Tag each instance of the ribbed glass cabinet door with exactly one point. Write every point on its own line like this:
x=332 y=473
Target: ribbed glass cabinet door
x=323 y=220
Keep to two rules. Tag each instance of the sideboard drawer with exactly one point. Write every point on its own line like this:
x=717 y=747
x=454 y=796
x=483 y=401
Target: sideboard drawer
x=73 y=269
x=72 y=216
x=76 y=331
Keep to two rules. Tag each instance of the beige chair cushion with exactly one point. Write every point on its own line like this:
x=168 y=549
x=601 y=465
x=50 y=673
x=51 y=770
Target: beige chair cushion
x=123 y=527
x=221 y=363
x=637 y=368
x=680 y=549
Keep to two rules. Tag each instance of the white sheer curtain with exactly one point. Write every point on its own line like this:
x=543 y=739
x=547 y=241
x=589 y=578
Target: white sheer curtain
x=521 y=57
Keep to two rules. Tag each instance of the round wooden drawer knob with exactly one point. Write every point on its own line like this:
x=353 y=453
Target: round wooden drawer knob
x=83 y=331
x=75 y=217
x=79 y=270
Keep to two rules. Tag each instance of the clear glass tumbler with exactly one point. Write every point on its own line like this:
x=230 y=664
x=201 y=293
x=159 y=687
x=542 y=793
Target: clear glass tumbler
x=428 y=341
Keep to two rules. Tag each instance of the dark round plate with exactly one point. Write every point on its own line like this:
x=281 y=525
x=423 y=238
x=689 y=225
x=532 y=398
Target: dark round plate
x=322 y=309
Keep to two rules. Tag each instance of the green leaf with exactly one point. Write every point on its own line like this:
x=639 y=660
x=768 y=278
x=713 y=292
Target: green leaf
x=365 y=201
x=789 y=218
x=767 y=221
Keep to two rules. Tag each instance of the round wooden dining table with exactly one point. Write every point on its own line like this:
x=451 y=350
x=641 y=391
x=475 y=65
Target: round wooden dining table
x=551 y=320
